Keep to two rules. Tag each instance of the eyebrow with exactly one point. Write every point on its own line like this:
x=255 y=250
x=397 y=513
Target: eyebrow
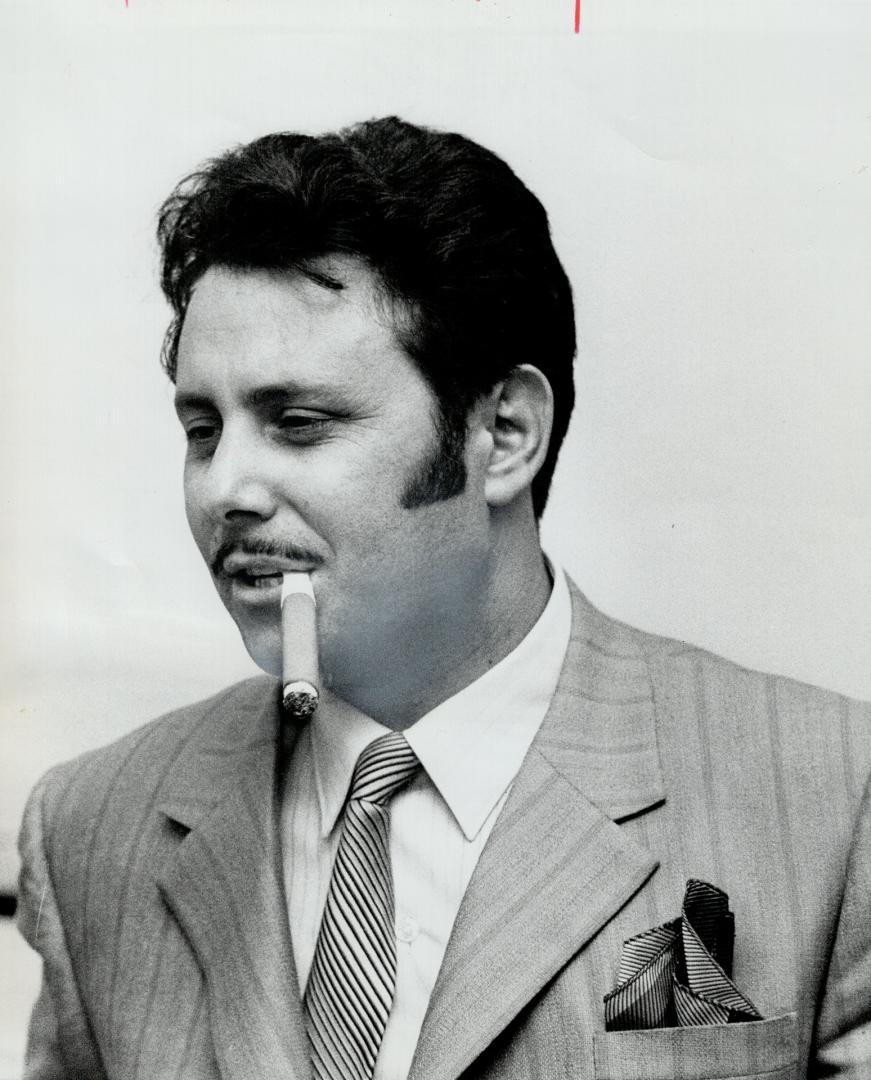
x=185 y=401
x=259 y=397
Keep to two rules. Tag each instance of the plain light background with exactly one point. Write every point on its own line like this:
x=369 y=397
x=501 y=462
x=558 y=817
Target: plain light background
x=706 y=171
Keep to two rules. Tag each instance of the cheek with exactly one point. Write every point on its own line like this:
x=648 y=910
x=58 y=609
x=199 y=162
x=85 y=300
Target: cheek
x=350 y=496
x=193 y=509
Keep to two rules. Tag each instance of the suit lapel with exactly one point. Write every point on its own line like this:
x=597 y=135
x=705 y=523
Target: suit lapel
x=224 y=887
x=557 y=867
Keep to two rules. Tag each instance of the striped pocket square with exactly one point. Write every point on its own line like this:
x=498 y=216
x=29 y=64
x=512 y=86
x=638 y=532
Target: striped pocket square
x=679 y=974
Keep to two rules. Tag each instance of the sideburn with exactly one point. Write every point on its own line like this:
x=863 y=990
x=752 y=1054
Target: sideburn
x=442 y=474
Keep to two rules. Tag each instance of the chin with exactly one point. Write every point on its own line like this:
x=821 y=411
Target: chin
x=265 y=651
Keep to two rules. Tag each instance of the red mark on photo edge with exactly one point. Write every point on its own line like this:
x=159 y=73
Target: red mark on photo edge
x=577 y=16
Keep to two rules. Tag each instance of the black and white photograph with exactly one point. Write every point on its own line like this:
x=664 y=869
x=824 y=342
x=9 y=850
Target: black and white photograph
x=436 y=540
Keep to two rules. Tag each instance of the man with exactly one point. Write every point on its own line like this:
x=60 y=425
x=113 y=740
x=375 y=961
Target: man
x=372 y=351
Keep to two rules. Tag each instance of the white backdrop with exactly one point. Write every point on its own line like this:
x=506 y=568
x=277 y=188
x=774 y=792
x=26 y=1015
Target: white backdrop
x=706 y=168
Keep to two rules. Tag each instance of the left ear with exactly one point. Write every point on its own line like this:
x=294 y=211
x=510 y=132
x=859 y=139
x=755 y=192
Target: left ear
x=520 y=417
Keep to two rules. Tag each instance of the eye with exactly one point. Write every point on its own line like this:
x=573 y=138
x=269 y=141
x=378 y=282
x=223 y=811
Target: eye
x=201 y=432
x=299 y=426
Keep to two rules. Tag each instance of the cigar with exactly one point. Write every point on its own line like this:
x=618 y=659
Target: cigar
x=299 y=646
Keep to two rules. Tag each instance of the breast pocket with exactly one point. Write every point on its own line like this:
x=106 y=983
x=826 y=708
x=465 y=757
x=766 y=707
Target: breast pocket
x=763 y=1050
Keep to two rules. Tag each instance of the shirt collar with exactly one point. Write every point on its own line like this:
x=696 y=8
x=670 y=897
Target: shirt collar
x=472 y=745
x=339 y=734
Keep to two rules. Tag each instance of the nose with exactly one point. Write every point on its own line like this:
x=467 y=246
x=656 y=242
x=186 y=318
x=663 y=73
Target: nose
x=235 y=483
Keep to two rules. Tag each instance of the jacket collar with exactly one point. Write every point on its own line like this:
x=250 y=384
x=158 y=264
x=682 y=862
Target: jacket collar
x=237 y=734
x=600 y=731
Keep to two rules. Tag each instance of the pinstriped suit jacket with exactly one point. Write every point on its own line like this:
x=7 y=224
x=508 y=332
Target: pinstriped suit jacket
x=152 y=884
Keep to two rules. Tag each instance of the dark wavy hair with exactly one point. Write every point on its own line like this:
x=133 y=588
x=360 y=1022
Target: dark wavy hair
x=460 y=248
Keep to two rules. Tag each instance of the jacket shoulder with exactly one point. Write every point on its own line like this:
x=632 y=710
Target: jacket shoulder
x=671 y=658
x=751 y=715
x=673 y=662
x=808 y=728
x=136 y=762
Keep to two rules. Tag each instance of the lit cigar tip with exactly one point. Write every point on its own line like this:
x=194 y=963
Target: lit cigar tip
x=296 y=582
x=300 y=699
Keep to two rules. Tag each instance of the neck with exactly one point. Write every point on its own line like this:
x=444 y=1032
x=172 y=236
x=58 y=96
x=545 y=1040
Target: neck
x=462 y=642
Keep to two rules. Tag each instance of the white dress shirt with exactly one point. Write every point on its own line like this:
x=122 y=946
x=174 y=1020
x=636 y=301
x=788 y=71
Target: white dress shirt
x=471 y=748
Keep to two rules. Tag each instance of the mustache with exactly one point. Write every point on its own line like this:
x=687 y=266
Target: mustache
x=261 y=546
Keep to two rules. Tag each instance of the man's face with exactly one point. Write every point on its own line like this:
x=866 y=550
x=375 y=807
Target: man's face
x=306 y=424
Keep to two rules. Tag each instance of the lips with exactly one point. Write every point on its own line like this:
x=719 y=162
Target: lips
x=257 y=577
x=257 y=581
x=238 y=563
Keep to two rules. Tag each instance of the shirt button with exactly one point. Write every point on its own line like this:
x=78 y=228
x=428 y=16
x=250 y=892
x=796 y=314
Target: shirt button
x=407 y=928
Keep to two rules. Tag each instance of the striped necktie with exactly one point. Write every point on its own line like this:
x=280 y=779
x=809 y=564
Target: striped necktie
x=353 y=975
